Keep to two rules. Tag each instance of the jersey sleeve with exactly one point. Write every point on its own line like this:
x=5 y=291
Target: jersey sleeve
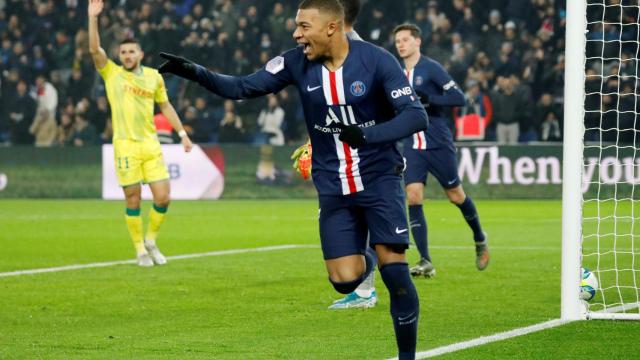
x=160 y=95
x=273 y=77
x=109 y=69
x=450 y=94
x=411 y=116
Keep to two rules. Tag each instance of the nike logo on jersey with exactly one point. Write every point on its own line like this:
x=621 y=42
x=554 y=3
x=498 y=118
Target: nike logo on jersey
x=398 y=231
x=451 y=182
x=311 y=89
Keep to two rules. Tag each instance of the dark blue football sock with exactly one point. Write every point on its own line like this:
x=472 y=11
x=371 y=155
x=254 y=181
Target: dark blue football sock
x=468 y=209
x=405 y=307
x=418 y=225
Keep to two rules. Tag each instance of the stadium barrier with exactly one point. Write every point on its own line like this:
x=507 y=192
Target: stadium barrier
x=497 y=172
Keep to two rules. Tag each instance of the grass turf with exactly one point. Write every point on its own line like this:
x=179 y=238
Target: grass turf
x=272 y=305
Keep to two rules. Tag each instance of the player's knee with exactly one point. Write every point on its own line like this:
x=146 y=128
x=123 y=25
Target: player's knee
x=345 y=287
x=133 y=201
x=414 y=197
x=162 y=201
x=391 y=253
x=456 y=195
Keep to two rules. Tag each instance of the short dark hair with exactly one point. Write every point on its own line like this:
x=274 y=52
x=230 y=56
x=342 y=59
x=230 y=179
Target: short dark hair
x=351 y=11
x=331 y=6
x=130 y=41
x=413 y=28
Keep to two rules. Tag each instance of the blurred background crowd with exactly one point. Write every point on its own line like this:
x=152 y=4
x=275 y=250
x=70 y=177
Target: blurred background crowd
x=507 y=56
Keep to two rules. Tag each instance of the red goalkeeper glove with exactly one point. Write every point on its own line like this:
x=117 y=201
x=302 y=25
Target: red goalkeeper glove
x=302 y=160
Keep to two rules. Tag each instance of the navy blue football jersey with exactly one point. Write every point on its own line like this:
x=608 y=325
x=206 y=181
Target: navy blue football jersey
x=438 y=91
x=369 y=90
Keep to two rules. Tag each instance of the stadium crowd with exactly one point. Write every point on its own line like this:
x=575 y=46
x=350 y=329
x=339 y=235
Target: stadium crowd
x=507 y=55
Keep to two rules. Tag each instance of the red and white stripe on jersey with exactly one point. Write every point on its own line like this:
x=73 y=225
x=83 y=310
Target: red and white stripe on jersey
x=333 y=87
x=349 y=170
x=419 y=138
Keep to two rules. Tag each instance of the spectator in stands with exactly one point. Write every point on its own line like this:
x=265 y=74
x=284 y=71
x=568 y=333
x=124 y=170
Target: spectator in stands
x=546 y=117
x=528 y=127
x=64 y=132
x=84 y=133
x=506 y=105
x=233 y=36
x=43 y=128
x=204 y=125
x=98 y=113
x=292 y=128
x=493 y=33
x=270 y=122
x=477 y=112
x=21 y=114
x=231 y=128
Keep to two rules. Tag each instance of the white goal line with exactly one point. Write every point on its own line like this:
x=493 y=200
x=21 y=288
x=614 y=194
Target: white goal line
x=489 y=339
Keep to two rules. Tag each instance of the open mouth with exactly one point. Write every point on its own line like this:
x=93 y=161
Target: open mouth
x=306 y=48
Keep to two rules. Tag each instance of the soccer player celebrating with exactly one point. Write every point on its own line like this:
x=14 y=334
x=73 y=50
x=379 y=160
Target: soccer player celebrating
x=364 y=296
x=433 y=151
x=132 y=90
x=357 y=102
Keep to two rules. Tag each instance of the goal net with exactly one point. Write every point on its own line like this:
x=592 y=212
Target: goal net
x=609 y=199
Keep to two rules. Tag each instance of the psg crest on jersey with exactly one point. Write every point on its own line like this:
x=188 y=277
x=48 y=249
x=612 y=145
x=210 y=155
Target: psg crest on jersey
x=358 y=88
x=419 y=80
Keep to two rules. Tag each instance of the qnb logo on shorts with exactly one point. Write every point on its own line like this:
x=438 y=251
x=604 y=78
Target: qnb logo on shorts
x=401 y=92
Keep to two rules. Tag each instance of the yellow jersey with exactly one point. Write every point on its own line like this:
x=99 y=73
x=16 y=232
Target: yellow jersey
x=132 y=97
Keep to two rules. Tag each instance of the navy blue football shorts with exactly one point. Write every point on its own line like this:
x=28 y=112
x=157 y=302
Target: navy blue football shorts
x=440 y=162
x=378 y=210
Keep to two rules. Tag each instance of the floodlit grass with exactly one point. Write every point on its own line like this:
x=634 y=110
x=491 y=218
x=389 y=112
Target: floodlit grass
x=272 y=305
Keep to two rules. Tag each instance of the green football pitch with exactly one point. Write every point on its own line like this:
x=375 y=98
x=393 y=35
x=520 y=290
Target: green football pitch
x=272 y=304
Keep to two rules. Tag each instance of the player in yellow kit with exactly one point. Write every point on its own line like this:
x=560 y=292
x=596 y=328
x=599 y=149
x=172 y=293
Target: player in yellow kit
x=132 y=90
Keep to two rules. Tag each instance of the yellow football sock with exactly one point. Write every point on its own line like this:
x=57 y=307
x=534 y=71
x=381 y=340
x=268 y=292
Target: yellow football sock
x=156 y=218
x=134 y=225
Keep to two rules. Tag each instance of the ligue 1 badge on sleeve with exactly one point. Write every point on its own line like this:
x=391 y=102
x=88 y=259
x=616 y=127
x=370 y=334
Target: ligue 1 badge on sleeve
x=275 y=65
x=3 y=181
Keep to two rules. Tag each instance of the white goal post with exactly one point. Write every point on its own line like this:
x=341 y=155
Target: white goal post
x=601 y=217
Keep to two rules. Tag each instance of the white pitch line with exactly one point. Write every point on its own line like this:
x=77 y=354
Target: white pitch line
x=175 y=257
x=489 y=339
x=625 y=307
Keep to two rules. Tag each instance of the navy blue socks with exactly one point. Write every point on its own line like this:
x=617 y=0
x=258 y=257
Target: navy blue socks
x=470 y=214
x=405 y=307
x=418 y=226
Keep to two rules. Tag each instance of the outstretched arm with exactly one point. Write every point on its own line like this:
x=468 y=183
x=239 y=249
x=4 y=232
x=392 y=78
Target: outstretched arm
x=170 y=112
x=271 y=79
x=98 y=54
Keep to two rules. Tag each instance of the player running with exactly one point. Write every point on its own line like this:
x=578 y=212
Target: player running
x=364 y=296
x=357 y=102
x=433 y=151
x=132 y=90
